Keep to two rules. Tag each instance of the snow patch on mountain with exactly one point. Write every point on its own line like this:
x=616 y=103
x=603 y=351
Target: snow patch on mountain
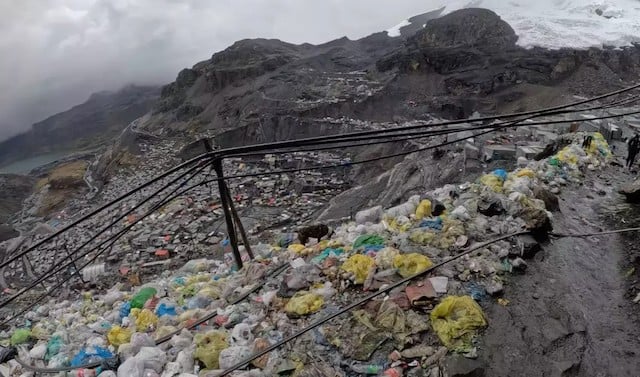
x=558 y=23
x=395 y=31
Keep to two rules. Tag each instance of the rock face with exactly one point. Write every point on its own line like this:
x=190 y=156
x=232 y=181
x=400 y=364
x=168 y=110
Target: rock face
x=103 y=116
x=631 y=191
x=13 y=190
x=471 y=27
x=463 y=62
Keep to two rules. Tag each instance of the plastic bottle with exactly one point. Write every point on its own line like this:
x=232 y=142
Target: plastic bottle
x=83 y=373
x=142 y=296
x=367 y=368
x=393 y=372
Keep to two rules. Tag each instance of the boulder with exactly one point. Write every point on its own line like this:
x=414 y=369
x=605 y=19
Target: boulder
x=459 y=366
x=631 y=191
x=550 y=200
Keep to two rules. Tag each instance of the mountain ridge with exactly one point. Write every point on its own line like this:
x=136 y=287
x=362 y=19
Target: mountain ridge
x=88 y=125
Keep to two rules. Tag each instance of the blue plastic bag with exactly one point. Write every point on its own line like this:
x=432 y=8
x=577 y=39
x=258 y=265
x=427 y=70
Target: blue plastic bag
x=125 y=309
x=500 y=173
x=435 y=224
x=90 y=355
x=165 y=310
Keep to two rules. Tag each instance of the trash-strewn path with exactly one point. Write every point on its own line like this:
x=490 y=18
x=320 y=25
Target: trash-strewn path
x=568 y=315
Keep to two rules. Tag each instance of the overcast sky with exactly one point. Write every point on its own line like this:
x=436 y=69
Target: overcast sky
x=55 y=53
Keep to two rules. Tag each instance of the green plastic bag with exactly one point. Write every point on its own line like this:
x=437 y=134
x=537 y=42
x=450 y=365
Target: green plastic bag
x=20 y=336
x=54 y=345
x=142 y=296
x=368 y=239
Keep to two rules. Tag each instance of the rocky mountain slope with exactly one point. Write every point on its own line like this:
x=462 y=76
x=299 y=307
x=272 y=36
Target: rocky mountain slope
x=465 y=61
x=91 y=124
x=13 y=190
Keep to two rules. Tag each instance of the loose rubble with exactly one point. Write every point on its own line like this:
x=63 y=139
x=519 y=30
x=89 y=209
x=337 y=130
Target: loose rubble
x=410 y=329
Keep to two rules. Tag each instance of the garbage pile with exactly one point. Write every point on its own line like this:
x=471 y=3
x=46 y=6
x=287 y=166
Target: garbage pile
x=214 y=317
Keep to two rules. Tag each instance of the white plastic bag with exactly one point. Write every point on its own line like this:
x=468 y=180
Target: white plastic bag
x=132 y=367
x=152 y=357
x=233 y=355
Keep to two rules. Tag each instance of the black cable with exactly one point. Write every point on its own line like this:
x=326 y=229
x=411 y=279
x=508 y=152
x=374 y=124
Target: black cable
x=492 y=129
x=111 y=239
x=429 y=132
x=363 y=301
x=102 y=208
x=93 y=213
x=229 y=152
x=52 y=270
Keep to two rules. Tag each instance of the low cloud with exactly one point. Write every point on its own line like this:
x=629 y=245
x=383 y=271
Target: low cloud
x=55 y=53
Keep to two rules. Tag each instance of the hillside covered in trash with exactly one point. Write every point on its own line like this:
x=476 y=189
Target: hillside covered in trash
x=206 y=317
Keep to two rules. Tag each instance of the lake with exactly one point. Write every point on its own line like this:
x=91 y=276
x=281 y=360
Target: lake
x=28 y=164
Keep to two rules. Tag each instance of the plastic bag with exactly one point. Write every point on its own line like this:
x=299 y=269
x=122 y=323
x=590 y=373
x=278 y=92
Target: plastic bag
x=303 y=303
x=359 y=265
x=423 y=210
x=118 y=336
x=39 y=332
x=152 y=357
x=132 y=367
x=185 y=359
x=209 y=346
x=38 y=352
x=326 y=253
x=112 y=296
x=142 y=296
x=296 y=248
x=90 y=355
x=384 y=257
x=20 y=336
x=368 y=239
x=526 y=172
x=54 y=345
x=166 y=309
x=241 y=335
x=371 y=215
x=411 y=264
x=492 y=181
x=146 y=320
x=455 y=320
x=233 y=355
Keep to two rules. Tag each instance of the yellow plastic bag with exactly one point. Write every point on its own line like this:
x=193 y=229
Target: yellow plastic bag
x=456 y=319
x=209 y=346
x=422 y=237
x=303 y=303
x=526 y=172
x=411 y=264
x=492 y=181
x=118 y=336
x=146 y=320
x=384 y=257
x=39 y=332
x=296 y=248
x=359 y=265
x=566 y=155
x=423 y=210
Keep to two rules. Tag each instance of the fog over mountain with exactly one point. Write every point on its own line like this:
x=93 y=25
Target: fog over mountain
x=55 y=53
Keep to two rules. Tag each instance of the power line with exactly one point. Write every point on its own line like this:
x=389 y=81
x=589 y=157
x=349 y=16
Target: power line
x=229 y=152
x=399 y=154
x=53 y=271
x=493 y=128
x=394 y=286
x=413 y=135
